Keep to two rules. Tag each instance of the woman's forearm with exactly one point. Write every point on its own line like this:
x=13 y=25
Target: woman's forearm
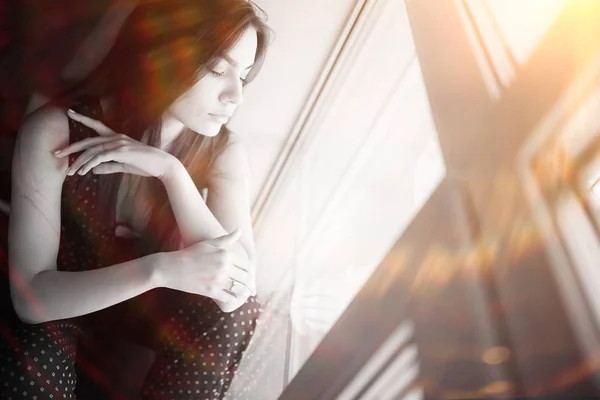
x=195 y=220
x=54 y=295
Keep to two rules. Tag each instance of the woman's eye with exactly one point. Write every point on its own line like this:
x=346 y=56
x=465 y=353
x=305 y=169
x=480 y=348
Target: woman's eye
x=215 y=73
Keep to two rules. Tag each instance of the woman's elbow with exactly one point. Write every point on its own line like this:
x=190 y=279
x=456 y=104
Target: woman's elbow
x=26 y=309
x=25 y=312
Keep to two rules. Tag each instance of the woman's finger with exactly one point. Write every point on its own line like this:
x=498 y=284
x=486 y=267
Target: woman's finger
x=83 y=158
x=113 y=167
x=106 y=168
x=110 y=155
x=89 y=154
x=246 y=267
x=97 y=159
x=241 y=262
x=236 y=288
x=240 y=275
x=224 y=296
x=243 y=278
x=96 y=125
x=82 y=145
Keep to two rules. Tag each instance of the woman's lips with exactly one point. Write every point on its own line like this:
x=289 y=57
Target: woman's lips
x=220 y=117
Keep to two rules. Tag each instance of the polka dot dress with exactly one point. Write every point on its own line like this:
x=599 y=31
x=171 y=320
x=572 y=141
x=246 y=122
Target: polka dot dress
x=198 y=357
x=40 y=362
x=198 y=347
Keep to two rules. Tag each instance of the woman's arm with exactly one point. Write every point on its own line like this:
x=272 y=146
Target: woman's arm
x=229 y=193
x=39 y=292
x=227 y=206
x=51 y=295
x=226 y=209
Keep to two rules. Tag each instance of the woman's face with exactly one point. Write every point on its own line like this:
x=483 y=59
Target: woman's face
x=209 y=104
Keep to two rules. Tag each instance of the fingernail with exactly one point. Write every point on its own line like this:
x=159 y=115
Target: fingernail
x=71 y=111
x=57 y=152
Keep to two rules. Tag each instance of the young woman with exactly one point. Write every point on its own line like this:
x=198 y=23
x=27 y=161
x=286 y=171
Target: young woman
x=109 y=231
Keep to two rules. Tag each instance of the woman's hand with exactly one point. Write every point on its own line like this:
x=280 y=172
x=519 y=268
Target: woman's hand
x=112 y=152
x=208 y=268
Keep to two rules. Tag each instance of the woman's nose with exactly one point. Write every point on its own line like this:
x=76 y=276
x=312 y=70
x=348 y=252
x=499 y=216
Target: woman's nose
x=233 y=93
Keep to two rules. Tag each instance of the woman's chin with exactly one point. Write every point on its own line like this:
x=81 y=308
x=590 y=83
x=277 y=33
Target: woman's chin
x=209 y=130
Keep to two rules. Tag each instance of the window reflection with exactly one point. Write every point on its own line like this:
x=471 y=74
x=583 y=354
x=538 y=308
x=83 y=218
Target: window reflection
x=391 y=371
x=388 y=164
x=367 y=161
x=559 y=167
x=520 y=25
x=504 y=34
x=396 y=167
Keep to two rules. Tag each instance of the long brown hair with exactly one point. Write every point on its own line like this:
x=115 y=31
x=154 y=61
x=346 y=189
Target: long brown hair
x=163 y=49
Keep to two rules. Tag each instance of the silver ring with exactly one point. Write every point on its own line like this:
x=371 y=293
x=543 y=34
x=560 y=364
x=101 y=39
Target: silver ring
x=233 y=282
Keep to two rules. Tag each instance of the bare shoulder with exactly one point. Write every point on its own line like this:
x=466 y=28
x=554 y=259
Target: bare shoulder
x=44 y=131
x=233 y=162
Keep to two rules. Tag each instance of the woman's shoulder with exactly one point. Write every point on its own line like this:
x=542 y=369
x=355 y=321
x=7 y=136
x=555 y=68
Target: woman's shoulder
x=47 y=128
x=232 y=162
x=43 y=131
